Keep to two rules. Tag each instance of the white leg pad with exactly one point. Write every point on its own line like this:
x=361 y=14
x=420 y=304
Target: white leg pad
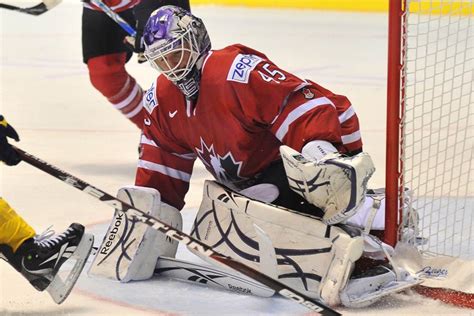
x=130 y=249
x=299 y=250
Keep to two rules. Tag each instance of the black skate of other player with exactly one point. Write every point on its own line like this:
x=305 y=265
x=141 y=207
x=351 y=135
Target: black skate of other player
x=39 y=259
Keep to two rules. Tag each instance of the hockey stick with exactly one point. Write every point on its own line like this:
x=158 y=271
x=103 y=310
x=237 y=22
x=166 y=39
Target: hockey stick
x=34 y=10
x=211 y=276
x=177 y=235
x=114 y=16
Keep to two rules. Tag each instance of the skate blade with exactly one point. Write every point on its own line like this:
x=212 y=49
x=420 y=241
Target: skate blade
x=59 y=289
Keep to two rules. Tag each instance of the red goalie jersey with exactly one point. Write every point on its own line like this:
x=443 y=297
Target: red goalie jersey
x=247 y=108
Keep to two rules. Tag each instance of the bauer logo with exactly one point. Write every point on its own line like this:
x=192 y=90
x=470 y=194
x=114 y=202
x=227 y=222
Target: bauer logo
x=241 y=68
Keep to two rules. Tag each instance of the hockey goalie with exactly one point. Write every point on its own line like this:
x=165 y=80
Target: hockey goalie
x=290 y=193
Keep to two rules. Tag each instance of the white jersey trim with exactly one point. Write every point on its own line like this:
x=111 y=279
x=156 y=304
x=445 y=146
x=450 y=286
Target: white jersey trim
x=129 y=99
x=137 y=110
x=301 y=86
x=347 y=139
x=145 y=140
x=170 y=172
x=188 y=108
x=298 y=112
x=205 y=60
x=346 y=115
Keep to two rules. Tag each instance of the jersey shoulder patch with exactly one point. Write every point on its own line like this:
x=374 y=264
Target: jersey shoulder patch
x=149 y=100
x=241 y=67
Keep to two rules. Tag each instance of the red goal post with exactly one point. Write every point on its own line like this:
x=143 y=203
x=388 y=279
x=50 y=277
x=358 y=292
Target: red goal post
x=430 y=139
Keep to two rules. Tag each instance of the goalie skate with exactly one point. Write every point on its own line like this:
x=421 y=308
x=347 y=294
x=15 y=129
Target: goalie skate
x=381 y=280
x=59 y=289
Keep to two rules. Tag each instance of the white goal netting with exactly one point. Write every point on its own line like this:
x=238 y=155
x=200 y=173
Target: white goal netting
x=437 y=123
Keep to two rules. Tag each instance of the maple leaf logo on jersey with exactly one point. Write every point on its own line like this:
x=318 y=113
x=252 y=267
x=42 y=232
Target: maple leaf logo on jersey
x=225 y=168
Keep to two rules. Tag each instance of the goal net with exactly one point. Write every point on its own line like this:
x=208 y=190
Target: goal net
x=437 y=126
x=430 y=117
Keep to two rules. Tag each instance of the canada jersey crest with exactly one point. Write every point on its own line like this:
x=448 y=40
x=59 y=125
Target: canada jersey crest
x=225 y=168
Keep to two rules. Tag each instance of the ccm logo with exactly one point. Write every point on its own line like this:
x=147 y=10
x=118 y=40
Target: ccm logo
x=241 y=68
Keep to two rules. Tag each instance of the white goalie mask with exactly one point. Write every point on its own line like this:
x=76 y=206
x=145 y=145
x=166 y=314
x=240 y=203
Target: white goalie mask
x=175 y=45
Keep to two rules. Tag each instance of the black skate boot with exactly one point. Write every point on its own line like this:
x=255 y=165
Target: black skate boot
x=39 y=259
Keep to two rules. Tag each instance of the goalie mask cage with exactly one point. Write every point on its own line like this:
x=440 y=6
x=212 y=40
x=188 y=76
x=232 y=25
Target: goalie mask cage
x=430 y=136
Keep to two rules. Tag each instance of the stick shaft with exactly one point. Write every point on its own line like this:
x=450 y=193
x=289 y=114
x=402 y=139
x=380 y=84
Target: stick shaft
x=114 y=16
x=35 y=10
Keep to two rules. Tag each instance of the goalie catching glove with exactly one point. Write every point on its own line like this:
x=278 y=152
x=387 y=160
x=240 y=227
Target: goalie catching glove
x=333 y=183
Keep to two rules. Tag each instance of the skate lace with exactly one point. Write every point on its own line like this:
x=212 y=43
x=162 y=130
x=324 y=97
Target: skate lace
x=48 y=239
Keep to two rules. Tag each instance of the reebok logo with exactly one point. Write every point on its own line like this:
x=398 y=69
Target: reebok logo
x=112 y=234
x=239 y=289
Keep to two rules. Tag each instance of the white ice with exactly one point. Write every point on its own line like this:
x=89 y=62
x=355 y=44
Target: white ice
x=46 y=94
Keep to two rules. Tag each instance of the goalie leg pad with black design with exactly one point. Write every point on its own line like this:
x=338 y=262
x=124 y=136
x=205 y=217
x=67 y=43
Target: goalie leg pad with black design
x=308 y=255
x=130 y=248
x=335 y=184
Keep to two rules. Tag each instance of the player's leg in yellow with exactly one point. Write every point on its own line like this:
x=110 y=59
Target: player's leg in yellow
x=14 y=230
x=38 y=258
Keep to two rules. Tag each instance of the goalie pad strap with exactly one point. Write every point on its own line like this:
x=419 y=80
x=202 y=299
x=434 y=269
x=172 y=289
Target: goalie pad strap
x=317 y=149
